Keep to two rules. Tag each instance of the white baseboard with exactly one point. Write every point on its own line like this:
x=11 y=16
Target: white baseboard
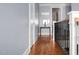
x=27 y=51
x=44 y=34
x=34 y=42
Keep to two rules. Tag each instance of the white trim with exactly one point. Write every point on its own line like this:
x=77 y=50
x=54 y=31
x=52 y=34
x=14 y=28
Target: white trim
x=44 y=13
x=53 y=32
x=59 y=21
x=73 y=41
x=73 y=12
x=46 y=4
x=29 y=25
x=33 y=23
x=26 y=52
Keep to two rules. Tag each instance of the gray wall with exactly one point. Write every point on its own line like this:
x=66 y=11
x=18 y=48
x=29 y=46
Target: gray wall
x=47 y=8
x=33 y=23
x=75 y=6
x=44 y=9
x=36 y=18
x=14 y=28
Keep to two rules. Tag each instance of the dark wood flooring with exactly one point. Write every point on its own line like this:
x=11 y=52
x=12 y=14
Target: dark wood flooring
x=45 y=46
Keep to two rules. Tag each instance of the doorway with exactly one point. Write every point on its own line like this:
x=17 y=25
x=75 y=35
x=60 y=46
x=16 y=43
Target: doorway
x=55 y=14
x=55 y=17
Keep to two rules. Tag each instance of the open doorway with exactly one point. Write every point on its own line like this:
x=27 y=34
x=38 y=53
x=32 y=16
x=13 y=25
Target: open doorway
x=55 y=14
x=55 y=17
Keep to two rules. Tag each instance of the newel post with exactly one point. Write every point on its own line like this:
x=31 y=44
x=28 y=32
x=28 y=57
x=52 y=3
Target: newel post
x=72 y=34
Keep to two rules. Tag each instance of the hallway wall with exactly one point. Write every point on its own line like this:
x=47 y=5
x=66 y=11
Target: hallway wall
x=33 y=23
x=14 y=28
x=45 y=13
x=75 y=6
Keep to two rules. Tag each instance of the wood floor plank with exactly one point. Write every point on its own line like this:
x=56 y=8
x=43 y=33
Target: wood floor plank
x=45 y=46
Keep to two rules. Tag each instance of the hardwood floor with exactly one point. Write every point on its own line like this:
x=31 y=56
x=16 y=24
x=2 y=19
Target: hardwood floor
x=45 y=46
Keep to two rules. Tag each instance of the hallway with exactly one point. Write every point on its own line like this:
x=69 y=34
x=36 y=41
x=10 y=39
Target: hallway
x=45 y=46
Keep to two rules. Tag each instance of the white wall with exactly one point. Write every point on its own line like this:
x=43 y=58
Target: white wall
x=14 y=28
